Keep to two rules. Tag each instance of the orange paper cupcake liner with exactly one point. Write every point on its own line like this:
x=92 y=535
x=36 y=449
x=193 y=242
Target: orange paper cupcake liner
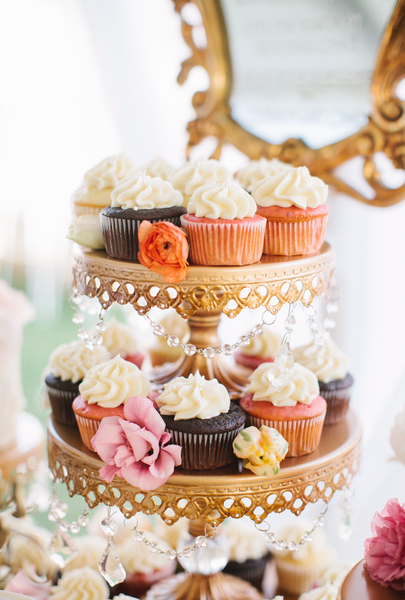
x=88 y=429
x=295 y=238
x=212 y=242
x=303 y=435
x=294 y=578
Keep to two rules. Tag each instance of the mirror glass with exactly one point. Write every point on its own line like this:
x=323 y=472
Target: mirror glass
x=303 y=68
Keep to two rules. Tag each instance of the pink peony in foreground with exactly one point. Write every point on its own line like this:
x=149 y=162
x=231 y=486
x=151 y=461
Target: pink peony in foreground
x=136 y=449
x=385 y=551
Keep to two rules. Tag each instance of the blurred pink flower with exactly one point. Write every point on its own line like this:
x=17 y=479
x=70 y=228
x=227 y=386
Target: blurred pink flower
x=385 y=551
x=136 y=449
x=28 y=583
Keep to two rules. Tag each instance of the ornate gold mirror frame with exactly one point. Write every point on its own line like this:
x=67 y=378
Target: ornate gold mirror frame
x=384 y=132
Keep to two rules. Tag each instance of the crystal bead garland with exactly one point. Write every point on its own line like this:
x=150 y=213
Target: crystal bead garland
x=110 y=566
x=293 y=546
x=61 y=548
x=209 y=352
x=80 y=305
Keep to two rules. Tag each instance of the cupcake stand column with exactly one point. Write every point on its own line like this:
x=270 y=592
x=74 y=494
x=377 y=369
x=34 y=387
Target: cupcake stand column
x=206 y=498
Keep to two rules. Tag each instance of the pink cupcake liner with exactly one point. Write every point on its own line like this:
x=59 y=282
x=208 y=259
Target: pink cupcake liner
x=290 y=239
x=202 y=451
x=88 y=429
x=303 y=435
x=251 y=362
x=230 y=243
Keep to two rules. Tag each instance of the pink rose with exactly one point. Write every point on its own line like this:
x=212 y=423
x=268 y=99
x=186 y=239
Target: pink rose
x=136 y=448
x=29 y=584
x=385 y=551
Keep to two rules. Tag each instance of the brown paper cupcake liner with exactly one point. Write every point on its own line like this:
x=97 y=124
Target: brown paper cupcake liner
x=303 y=435
x=61 y=403
x=202 y=451
x=121 y=235
x=88 y=429
x=338 y=404
x=296 y=579
x=238 y=243
x=250 y=570
x=290 y=239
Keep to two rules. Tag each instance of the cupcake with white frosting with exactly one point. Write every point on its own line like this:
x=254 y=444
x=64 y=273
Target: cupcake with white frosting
x=293 y=204
x=68 y=365
x=286 y=398
x=80 y=584
x=262 y=349
x=329 y=364
x=119 y=338
x=143 y=568
x=158 y=167
x=137 y=198
x=299 y=571
x=256 y=170
x=103 y=393
x=98 y=182
x=222 y=227
x=194 y=173
x=202 y=420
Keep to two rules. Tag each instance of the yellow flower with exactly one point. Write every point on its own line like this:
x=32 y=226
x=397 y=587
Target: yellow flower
x=261 y=449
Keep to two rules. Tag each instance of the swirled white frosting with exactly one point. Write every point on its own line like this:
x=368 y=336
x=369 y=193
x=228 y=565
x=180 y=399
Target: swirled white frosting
x=158 y=167
x=226 y=200
x=298 y=384
x=266 y=345
x=89 y=550
x=119 y=338
x=140 y=192
x=315 y=553
x=326 y=592
x=136 y=559
x=109 y=172
x=291 y=188
x=193 y=397
x=195 y=173
x=256 y=170
x=326 y=361
x=245 y=541
x=81 y=584
x=71 y=362
x=397 y=436
x=111 y=383
x=336 y=573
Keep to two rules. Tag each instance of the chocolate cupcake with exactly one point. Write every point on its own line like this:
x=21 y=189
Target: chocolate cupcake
x=137 y=198
x=68 y=365
x=329 y=364
x=202 y=420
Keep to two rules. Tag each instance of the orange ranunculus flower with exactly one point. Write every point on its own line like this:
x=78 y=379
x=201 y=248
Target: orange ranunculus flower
x=163 y=249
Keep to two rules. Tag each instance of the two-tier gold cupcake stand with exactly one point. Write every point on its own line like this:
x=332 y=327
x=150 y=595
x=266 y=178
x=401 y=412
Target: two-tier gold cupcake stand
x=209 y=496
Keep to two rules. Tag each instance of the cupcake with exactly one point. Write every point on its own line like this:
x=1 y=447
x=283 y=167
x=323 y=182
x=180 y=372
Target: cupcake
x=262 y=349
x=293 y=204
x=68 y=364
x=248 y=550
x=298 y=571
x=158 y=167
x=137 y=198
x=329 y=364
x=195 y=173
x=287 y=399
x=256 y=170
x=103 y=392
x=120 y=339
x=80 y=584
x=98 y=183
x=143 y=568
x=90 y=549
x=222 y=227
x=161 y=352
x=202 y=420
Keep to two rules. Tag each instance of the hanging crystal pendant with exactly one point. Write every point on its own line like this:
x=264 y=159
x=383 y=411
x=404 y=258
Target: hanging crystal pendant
x=61 y=549
x=110 y=565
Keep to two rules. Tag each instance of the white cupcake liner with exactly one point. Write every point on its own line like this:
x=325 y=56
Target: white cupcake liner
x=303 y=435
x=82 y=209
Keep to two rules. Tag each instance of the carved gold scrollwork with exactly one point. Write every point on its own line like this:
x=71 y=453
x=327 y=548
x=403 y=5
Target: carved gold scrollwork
x=385 y=131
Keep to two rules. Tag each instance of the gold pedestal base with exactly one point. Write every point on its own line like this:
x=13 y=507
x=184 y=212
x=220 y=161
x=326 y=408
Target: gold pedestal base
x=187 y=586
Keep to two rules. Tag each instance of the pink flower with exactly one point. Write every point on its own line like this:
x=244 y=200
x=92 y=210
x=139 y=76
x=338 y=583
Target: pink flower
x=385 y=551
x=29 y=584
x=136 y=449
